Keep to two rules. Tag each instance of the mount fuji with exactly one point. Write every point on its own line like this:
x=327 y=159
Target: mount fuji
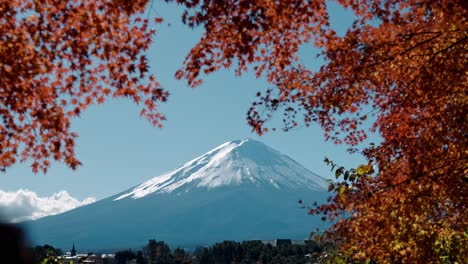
x=240 y=190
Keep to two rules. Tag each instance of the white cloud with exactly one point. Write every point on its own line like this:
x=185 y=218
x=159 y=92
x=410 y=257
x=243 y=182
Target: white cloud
x=25 y=205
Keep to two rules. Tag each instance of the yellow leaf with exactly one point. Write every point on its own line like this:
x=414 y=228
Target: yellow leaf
x=362 y=169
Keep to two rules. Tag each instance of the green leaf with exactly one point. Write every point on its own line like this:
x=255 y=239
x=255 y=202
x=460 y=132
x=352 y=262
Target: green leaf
x=338 y=172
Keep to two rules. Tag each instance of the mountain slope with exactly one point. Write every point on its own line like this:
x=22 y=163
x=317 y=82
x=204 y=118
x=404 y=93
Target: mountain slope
x=232 y=163
x=240 y=190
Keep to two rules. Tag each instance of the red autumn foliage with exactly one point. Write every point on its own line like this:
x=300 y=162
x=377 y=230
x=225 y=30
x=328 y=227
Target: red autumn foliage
x=402 y=66
x=59 y=57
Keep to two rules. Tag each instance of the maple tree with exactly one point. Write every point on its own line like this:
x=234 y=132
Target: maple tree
x=59 y=57
x=400 y=70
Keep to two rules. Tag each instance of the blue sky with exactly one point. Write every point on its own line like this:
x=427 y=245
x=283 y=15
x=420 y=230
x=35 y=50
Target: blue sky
x=119 y=149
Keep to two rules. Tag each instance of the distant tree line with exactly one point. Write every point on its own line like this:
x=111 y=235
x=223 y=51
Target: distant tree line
x=46 y=254
x=255 y=252
x=226 y=252
x=230 y=252
x=155 y=252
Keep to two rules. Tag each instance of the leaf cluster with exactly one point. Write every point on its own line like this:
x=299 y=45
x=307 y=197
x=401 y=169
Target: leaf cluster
x=59 y=57
x=399 y=71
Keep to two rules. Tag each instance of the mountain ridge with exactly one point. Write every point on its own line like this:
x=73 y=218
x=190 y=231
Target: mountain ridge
x=240 y=162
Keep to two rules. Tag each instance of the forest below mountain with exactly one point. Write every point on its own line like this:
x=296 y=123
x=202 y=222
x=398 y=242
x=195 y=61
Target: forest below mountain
x=228 y=252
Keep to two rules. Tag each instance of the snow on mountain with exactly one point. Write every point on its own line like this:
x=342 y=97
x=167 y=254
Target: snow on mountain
x=241 y=190
x=232 y=163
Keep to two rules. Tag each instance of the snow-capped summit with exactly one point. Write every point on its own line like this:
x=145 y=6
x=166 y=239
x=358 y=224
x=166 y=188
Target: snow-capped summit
x=232 y=163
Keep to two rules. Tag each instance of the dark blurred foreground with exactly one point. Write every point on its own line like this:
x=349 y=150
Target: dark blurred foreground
x=13 y=246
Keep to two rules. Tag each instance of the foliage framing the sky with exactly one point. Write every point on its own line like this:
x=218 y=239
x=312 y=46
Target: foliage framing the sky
x=59 y=57
x=405 y=60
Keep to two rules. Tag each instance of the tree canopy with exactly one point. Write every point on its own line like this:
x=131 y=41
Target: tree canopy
x=59 y=57
x=400 y=70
